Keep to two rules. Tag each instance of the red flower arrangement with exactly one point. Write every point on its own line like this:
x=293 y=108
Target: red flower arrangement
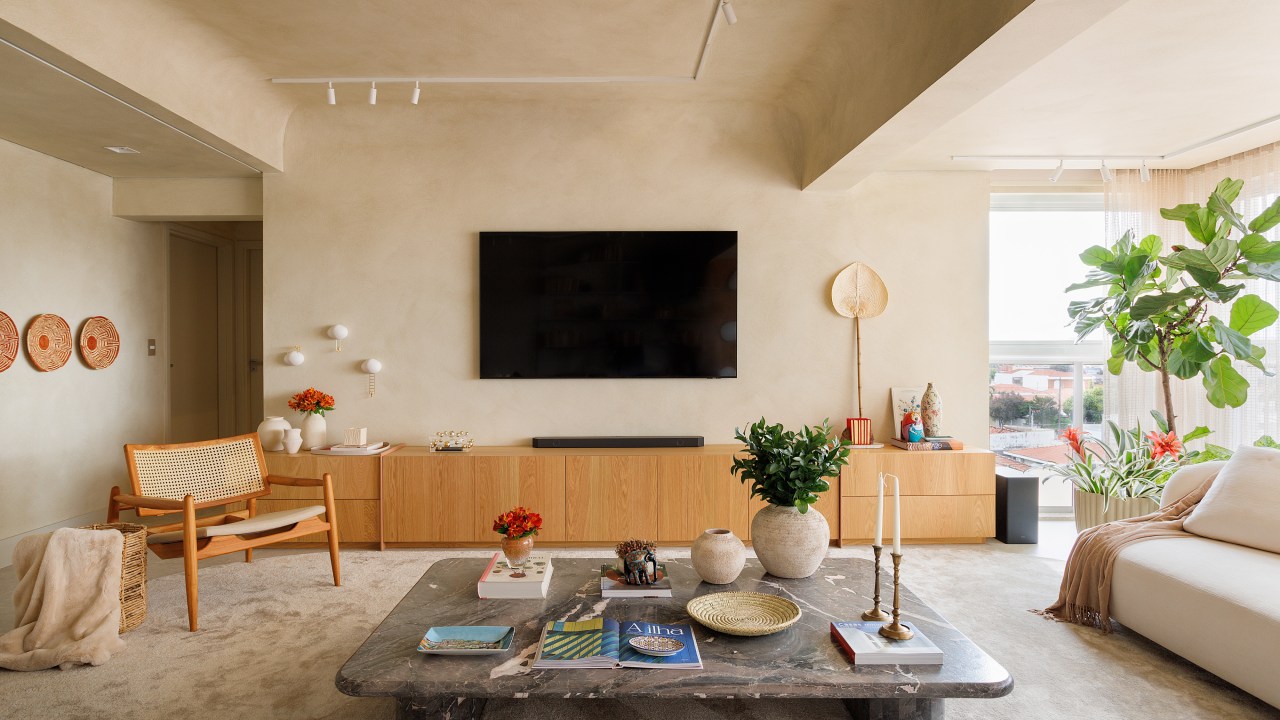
x=1073 y=436
x=1167 y=444
x=517 y=523
x=312 y=400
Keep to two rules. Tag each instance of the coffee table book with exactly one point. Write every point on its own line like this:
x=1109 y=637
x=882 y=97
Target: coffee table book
x=605 y=643
x=612 y=584
x=497 y=581
x=865 y=645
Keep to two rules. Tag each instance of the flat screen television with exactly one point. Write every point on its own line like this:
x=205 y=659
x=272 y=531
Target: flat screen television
x=636 y=304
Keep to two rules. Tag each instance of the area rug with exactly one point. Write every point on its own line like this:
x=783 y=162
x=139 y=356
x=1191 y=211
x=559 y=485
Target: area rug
x=275 y=632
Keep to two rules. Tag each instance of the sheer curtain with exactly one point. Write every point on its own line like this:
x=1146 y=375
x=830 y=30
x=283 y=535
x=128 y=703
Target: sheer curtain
x=1132 y=204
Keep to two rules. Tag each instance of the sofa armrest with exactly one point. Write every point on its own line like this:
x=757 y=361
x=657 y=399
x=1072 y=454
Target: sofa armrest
x=1187 y=479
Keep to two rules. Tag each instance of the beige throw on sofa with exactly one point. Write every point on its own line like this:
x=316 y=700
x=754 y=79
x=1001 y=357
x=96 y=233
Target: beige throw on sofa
x=67 y=603
x=1085 y=595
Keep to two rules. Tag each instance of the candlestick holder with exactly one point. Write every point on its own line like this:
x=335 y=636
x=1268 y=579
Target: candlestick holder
x=896 y=630
x=875 y=613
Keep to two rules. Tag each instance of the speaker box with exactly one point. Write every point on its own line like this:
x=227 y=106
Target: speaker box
x=1017 y=509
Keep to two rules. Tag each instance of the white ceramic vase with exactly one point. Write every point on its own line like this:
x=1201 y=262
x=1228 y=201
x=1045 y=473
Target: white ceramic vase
x=315 y=433
x=271 y=433
x=718 y=556
x=292 y=440
x=789 y=544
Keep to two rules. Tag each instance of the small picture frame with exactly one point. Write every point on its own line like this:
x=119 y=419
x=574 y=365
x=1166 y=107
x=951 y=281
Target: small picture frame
x=903 y=400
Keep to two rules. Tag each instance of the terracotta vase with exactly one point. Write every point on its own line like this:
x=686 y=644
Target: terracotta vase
x=516 y=551
x=789 y=544
x=271 y=433
x=315 y=432
x=718 y=556
x=931 y=412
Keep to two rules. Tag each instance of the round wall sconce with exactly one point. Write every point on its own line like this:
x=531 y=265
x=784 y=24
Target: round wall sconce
x=372 y=367
x=338 y=333
x=294 y=357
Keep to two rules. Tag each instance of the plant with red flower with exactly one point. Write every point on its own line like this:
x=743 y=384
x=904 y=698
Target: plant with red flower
x=312 y=401
x=1074 y=437
x=518 y=522
x=1166 y=444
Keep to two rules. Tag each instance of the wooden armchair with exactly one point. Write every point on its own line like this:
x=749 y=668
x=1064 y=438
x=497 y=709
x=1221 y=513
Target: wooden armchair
x=187 y=477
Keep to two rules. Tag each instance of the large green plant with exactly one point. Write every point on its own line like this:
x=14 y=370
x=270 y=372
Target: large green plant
x=787 y=467
x=1157 y=306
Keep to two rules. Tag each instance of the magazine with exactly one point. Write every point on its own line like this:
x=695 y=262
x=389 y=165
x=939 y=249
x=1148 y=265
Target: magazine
x=607 y=643
x=612 y=584
x=866 y=646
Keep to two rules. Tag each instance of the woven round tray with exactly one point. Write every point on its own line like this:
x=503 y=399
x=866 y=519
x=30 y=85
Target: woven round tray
x=744 y=613
x=133 y=573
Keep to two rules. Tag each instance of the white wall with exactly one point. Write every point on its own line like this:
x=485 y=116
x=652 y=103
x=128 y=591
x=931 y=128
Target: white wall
x=374 y=226
x=61 y=252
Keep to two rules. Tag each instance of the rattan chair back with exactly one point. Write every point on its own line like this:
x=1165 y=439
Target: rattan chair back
x=212 y=472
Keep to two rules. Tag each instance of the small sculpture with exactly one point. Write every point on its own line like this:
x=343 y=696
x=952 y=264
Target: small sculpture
x=912 y=427
x=639 y=561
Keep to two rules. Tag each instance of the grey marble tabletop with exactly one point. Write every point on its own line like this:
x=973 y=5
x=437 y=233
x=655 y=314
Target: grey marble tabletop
x=800 y=662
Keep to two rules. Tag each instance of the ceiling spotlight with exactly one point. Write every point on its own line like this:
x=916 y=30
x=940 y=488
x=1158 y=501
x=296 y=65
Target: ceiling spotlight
x=729 y=15
x=121 y=149
x=373 y=93
x=1056 y=173
x=1107 y=175
x=417 y=93
x=1144 y=173
x=333 y=95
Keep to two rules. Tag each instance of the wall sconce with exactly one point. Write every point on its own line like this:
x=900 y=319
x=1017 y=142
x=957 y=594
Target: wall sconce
x=372 y=367
x=294 y=357
x=338 y=333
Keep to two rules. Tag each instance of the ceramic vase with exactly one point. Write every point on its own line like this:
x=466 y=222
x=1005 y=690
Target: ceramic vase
x=516 y=551
x=789 y=544
x=271 y=433
x=292 y=440
x=315 y=433
x=931 y=412
x=718 y=556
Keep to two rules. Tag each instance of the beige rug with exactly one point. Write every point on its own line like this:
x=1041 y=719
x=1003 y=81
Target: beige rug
x=276 y=632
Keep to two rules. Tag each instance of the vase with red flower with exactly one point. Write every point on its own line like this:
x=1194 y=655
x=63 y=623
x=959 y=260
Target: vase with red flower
x=313 y=404
x=517 y=526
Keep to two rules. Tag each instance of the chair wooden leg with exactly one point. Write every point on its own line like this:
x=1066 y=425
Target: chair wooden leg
x=253 y=510
x=189 y=566
x=332 y=517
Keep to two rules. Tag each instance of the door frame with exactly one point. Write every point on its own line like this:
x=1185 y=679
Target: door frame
x=244 y=420
x=225 y=330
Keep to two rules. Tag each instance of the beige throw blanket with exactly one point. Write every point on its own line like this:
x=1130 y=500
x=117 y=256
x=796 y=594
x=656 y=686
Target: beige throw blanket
x=1085 y=595
x=67 y=602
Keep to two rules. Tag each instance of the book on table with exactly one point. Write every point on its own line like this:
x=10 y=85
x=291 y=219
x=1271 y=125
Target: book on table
x=608 y=643
x=928 y=444
x=866 y=646
x=499 y=582
x=614 y=585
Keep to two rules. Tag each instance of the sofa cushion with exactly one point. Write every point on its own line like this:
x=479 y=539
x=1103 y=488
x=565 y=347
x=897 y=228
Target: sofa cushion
x=1242 y=505
x=1188 y=478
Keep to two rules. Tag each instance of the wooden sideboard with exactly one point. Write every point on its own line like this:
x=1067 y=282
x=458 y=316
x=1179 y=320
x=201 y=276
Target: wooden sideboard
x=412 y=496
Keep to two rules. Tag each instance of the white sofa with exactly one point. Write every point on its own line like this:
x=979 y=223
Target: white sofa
x=1214 y=603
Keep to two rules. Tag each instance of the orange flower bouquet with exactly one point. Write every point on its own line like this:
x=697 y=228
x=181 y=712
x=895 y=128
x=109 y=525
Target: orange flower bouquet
x=312 y=402
x=518 y=523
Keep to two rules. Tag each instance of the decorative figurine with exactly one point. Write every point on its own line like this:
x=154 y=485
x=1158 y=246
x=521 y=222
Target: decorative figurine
x=912 y=427
x=639 y=561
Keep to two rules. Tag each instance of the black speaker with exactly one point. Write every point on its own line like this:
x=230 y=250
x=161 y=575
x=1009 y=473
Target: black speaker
x=1017 y=509
x=619 y=441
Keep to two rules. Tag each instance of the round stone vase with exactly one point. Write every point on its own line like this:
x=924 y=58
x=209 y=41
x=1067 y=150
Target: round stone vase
x=271 y=433
x=718 y=556
x=315 y=432
x=789 y=544
x=516 y=551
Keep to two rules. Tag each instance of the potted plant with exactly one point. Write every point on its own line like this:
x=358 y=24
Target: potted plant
x=1121 y=477
x=313 y=404
x=788 y=469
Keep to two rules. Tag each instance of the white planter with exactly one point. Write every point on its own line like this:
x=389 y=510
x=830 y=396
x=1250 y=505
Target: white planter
x=293 y=440
x=718 y=556
x=315 y=433
x=271 y=433
x=1089 y=512
x=789 y=544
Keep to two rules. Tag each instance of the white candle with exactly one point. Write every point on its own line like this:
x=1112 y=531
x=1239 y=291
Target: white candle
x=880 y=512
x=897 y=518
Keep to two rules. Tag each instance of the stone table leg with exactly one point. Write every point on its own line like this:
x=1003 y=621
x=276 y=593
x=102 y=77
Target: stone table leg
x=895 y=709
x=439 y=708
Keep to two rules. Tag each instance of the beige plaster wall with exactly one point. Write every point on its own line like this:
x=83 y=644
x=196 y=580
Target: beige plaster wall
x=195 y=199
x=374 y=226
x=63 y=253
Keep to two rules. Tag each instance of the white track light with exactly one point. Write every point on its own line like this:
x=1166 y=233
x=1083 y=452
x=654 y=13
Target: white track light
x=1056 y=173
x=373 y=93
x=1107 y=175
x=333 y=95
x=417 y=93
x=729 y=15
x=1144 y=173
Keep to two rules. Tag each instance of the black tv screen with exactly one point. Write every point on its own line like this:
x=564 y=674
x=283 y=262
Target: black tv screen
x=647 y=304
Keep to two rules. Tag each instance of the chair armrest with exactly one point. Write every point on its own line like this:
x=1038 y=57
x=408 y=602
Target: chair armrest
x=296 y=482
x=151 y=503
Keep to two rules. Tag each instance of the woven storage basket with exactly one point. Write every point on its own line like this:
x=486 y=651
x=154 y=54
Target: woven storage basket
x=133 y=573
x=749 y=614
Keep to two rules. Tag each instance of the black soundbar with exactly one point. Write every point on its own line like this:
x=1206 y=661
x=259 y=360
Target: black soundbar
x=619 y=441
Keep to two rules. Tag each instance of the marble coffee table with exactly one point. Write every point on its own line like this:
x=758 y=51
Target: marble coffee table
x=801 y=662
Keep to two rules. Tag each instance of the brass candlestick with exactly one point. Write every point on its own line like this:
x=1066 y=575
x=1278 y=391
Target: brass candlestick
x=875 y=613
x=896 y=630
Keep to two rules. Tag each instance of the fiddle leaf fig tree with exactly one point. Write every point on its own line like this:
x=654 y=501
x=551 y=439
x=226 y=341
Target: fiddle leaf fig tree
x=1181 y=313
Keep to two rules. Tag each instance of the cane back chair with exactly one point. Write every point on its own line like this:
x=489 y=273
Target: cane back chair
x=186 y=477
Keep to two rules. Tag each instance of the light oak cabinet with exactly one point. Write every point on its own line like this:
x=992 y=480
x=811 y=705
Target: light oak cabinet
x=355 y=492
x=698 y=492
x=536 y=482
x=428 y=498
x=610 y=497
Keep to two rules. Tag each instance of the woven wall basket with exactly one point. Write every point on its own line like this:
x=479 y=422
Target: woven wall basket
x=133 y=573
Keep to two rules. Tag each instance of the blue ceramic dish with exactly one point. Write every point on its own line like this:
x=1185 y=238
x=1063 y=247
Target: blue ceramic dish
x=438 y=640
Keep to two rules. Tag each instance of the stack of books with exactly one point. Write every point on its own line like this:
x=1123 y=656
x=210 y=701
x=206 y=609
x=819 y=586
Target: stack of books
x=499 y=582
x=613 y=585
x=372 y=448
x=941 y=442
x=865 y=645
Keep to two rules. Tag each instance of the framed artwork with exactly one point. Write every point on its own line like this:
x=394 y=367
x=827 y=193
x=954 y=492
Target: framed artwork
x=903 y=400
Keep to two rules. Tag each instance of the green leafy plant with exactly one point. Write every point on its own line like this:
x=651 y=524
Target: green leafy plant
x=1156 y=309
x=787 y=467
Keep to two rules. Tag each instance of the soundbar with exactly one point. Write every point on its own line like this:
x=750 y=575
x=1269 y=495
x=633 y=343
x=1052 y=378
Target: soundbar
x=619 y=441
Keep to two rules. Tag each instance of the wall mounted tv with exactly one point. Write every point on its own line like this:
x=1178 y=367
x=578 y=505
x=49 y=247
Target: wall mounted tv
x=646 y=304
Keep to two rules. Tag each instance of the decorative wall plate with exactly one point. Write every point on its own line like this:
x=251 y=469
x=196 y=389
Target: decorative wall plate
x=9 y=341
x=48 y=342
x=99 y=342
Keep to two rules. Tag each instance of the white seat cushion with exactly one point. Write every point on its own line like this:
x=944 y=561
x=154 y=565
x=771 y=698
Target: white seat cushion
x=1242 y=504
x=261 y=523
